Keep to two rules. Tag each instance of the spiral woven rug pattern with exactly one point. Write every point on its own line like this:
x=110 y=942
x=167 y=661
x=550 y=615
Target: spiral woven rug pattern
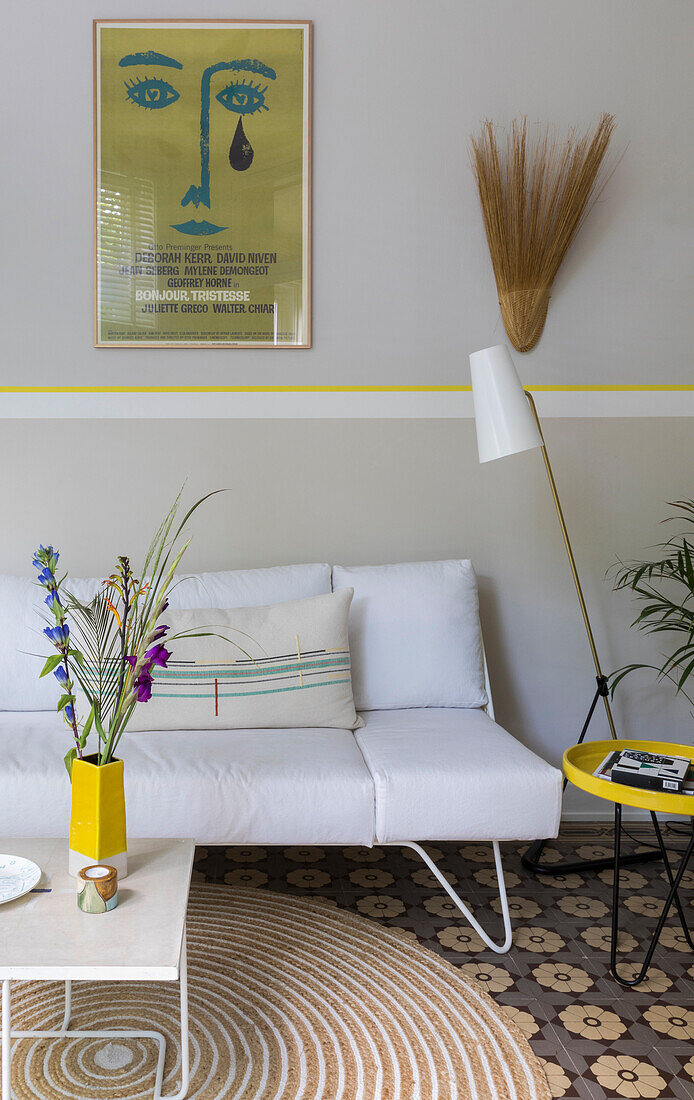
x=289 y=998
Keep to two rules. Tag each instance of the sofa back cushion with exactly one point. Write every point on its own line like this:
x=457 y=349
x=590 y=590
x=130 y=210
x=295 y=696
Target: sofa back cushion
x=23 y=648
x=251 y=587
x=414 y=635
x=21 y=608
x=286 y=666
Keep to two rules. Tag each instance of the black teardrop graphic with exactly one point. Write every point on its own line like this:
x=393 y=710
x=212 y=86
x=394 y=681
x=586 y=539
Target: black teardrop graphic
x=240 y=150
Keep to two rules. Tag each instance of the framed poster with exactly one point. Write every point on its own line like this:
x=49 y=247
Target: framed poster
x=202 y=136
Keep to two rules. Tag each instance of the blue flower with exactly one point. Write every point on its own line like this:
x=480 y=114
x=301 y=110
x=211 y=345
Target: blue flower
x=57 y=634
x=46 y=578
x=61 y=675
x=69 y=713
x=52 y=601
x=46 y=555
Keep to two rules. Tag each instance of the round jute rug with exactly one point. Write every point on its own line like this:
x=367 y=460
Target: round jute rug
x=290 y=999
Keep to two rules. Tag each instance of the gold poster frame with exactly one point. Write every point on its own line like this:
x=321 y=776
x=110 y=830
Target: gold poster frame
x=306 y=181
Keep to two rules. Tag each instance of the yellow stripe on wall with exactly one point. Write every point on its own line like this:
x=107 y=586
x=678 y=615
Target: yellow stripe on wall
x=640 y=388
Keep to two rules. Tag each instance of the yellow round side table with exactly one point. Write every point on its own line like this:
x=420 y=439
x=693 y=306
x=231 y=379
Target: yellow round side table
x=580 y=761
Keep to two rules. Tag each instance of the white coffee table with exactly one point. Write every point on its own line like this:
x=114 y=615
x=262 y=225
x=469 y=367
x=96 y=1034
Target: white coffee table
x=45 y=937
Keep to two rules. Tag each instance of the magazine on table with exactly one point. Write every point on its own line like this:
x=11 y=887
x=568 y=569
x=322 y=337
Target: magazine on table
x=647 y=770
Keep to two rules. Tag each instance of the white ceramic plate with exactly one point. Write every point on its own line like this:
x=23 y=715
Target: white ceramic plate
x=17 y=877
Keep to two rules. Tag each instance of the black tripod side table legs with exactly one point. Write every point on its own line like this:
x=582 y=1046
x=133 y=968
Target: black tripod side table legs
x=673 y=896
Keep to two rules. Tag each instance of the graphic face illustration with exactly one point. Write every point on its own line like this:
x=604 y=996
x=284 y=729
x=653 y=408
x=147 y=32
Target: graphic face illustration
x=239 y=93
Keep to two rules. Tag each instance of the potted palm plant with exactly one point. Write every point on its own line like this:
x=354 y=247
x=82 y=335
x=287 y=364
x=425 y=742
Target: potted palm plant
x=663 y=587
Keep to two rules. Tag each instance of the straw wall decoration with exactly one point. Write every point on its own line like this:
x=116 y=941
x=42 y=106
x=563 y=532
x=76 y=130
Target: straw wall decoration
x=534 y=197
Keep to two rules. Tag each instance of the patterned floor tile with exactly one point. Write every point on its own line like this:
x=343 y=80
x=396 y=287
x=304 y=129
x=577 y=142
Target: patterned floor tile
x=597 y=1038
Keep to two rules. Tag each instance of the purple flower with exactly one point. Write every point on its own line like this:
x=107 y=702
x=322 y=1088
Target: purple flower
x=143 y=687
x=158 y=633
x=158 y=655
x=61 y=675
x=59 y=635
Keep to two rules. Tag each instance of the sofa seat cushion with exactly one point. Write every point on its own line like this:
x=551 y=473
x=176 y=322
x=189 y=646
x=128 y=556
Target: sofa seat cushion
x=456 y=775
x=298 y=786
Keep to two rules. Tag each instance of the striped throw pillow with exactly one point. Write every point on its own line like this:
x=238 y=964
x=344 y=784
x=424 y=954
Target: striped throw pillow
x=282 y=666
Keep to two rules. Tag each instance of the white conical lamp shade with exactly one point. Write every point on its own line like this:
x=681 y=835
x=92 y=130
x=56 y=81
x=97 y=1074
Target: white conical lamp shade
x=505 y=423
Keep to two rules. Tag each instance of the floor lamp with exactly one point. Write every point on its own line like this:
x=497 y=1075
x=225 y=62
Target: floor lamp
x=507 y=423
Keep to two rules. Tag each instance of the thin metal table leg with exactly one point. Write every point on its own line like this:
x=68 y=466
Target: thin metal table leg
x=5 y=1059
x=68 y=1005
x=672 y=896
x=185 y=1048
x=668 y=869
x=615 y=887
x=531 y=858
x=63 y=1032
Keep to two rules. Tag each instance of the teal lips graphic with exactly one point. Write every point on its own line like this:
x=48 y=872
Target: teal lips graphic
x=198 y=229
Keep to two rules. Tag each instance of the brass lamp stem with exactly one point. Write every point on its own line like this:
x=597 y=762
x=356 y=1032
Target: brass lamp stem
x=572 y=563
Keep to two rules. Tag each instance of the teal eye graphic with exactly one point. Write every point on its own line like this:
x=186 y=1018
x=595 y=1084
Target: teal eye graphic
x=243 y=98
x=152 y=92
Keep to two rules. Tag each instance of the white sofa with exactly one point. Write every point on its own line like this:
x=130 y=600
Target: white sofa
x=412 y=773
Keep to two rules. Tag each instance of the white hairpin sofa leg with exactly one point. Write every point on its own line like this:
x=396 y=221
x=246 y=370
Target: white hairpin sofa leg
x=500 y=948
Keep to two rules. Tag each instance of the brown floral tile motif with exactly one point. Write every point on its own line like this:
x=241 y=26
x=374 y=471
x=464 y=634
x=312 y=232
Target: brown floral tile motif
x=599 y=937
x=309 y=878
x=656 y=981
x=523 y=1020
x=622 y=1075
x=380 y=905
x=371 y=878
x=580 y=905
x=686 y=883
x=364 y=855
x=557 y=1079
x=670 y=1020
x=304 y=855
x=675 y=940
x=440 y=905
x=459 y=938
x=542 y=940
x=597 y=1039
x=549 y=854
x=592 y=1022
x=426 y=878
x=562 y=978
x=248 y=876
x=434 y=853
x=488 y=877
x=248 y=854
x=593 y=851
x=564 y=882
x=495 y=979
x=477 y=853
x=644 y=905
x=628 y=880
x=519 y=908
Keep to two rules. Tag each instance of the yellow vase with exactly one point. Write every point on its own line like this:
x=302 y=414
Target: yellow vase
x=97 y=818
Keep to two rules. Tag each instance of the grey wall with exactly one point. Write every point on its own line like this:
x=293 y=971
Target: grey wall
x=403 y=290
x=402 y=281
x=368 y=491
